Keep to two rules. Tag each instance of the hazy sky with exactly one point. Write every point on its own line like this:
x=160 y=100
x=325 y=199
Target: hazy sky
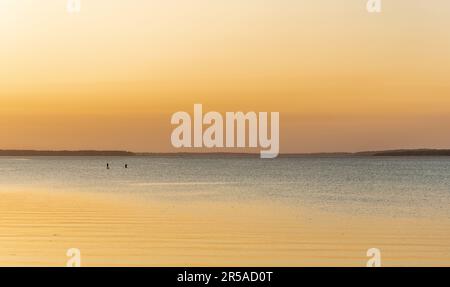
x=111 y=76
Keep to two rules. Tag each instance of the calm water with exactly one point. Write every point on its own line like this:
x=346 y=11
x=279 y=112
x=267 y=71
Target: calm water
x=379 y=186
x=224 y=211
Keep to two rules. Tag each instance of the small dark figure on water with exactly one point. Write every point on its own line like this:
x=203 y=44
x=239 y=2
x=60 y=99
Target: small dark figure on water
x=126 y=165
x=107 y=166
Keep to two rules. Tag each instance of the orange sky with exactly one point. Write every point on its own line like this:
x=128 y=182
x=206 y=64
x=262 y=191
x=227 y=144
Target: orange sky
x=111 y=76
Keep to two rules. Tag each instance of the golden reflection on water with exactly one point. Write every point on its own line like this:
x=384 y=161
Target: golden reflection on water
x=38 y=226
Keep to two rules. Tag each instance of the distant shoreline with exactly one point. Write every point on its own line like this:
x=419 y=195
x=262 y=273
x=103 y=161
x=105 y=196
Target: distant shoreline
x=64 y=153
x=383 y=153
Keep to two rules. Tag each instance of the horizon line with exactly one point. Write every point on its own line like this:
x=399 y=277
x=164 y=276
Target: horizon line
x=94 y=152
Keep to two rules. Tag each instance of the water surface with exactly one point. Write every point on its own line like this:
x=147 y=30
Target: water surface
x=225 y=210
